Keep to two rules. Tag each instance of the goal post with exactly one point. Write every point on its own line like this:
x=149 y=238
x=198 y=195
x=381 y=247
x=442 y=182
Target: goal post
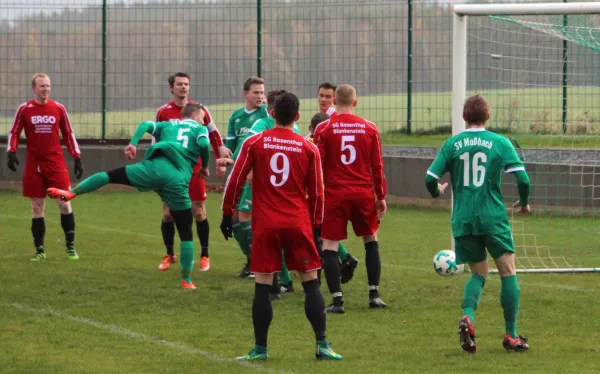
x=524 y=70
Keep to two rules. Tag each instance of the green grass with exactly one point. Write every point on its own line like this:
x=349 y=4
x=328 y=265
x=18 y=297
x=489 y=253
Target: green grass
x=109 y=311
x=533 y=114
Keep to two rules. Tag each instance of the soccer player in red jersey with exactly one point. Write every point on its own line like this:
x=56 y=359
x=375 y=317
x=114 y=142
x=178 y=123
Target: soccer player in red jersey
x=179 y=84
x=355 y=190
x=43 y=119
x=325 y=96
x=286 y=167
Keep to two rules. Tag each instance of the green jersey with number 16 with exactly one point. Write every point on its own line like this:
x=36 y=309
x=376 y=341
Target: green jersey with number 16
x=476 y=160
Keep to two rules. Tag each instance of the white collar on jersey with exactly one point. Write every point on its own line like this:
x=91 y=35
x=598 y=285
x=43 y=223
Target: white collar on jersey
x=475 y=129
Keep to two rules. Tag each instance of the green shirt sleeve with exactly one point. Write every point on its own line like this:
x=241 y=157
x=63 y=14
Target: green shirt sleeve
x=204 y=145
x=231 y=139
x=145 y=127
x=439 y=166
x=523 y=185
x=511 y=161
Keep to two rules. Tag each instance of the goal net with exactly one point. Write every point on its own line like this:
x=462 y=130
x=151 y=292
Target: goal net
x=539 y=67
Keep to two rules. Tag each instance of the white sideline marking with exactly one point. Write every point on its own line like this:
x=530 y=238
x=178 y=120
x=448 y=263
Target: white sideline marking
x=135 y=335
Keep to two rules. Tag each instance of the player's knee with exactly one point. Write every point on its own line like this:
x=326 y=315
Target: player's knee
x=64 y=207
x=368 y=239
x=480 y=268
x=199 y=210
x=330 y=245
x=37 y=207
x=506 y=264
x=183 y=220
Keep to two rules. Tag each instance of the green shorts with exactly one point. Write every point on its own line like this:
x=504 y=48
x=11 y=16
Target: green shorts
x=245 y=203
x=161 y=176
x=470 y=249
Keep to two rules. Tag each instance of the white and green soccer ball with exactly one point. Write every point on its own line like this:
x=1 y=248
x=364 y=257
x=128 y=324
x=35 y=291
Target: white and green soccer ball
x=444 y=263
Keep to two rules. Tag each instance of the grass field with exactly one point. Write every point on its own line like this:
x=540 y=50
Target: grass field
x=113 y=312
x=534 y=114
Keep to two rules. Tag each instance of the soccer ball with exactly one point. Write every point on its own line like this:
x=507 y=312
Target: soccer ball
x=444 y=263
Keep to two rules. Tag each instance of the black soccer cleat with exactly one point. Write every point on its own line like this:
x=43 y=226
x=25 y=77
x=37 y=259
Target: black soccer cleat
x=333 y=308
x=286 y=287
x=376 y=303
x=466 y=331
x=245 y=273
x=347 y=268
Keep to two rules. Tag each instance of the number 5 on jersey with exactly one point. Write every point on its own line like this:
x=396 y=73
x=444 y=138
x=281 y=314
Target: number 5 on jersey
x=351 y=157
x=283 y=171
x=183 y=138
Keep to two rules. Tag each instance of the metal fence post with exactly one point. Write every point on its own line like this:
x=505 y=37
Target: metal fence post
x=409 y=72
x=104 y=12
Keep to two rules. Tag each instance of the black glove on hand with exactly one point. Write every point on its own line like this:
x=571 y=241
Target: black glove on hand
x=78 y=168
x=227 y=227
x=12 y=161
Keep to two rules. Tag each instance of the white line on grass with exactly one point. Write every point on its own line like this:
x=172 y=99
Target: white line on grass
x=135 y=335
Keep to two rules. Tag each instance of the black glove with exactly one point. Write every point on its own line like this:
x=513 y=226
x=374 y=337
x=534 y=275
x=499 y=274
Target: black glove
x=78 y=168
x=227 y=227
x=12 y=161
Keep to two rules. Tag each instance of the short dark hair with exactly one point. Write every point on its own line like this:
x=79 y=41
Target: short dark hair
x=272 y=95
x=252 y=80
x=190 y=109
x=317 y=118
x=327 y=86
x=476 y=110
x=286 y=106
x=179 y=74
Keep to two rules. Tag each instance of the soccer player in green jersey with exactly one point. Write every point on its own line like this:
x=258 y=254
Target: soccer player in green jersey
x=239 y=124
x=166 y=169
x=476 y=159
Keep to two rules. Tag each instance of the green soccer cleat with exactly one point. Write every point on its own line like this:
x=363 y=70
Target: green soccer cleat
x=72 y=254
x=324 y=351
x=39 y=256
x=253 y=355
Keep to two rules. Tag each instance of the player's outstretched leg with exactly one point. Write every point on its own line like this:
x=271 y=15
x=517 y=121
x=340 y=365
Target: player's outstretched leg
x=87 y=185
x=262 y=315
x=373 y=264
x=349 y=264
x=183 y=220
x=332 y=276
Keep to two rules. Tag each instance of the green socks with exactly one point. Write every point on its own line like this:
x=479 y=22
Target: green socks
x=472 y=295
x=91 y=184
x=342 y=252
x=285 y=276
x=186 y=257
x=510 y=297
x=243 y=234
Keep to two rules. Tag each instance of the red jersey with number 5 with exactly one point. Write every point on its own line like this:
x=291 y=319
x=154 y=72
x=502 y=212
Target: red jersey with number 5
x=42 y=124
x=350 y=148
x=286 y=169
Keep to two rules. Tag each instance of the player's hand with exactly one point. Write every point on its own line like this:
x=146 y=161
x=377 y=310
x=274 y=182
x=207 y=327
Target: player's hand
x=225 y=152
x=442 y=188
x=130 y=152
x=221 y=170
x=78 y=169
x=227 y=227
x=203 y=172
x=524 y=210
x=224 y=162
x=12 y=161
x=381 y=208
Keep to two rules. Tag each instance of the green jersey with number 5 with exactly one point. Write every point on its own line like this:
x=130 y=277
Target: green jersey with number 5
x=476 y=160
x=183 y=142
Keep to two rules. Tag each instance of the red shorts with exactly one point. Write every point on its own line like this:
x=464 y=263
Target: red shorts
x=197 y=188
x=36 y=179
x=298 y=246
x=362 y=212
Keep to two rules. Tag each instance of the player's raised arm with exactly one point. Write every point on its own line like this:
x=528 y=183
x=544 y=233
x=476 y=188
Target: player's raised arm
x=437 y=170
x=238 y=176
x=315 y=188
x=377 y=166
x=149 y=127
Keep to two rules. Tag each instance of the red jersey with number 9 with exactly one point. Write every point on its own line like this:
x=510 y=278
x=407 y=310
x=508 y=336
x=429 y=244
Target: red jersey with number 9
x=350 y=149
x=286 y=169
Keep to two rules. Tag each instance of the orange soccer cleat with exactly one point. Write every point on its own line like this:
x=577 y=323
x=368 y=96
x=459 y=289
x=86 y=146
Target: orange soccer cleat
x=204 y=264
x=58 y=194
x=188 y=286
x=166 y=262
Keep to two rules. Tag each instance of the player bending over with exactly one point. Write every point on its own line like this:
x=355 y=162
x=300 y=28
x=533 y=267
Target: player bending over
x=167 y=169
x=352 y=165
x=240 y=123
x=45 y=166
x=179 y=85
x=286 y=166
x=348 y=262
x=476 y=160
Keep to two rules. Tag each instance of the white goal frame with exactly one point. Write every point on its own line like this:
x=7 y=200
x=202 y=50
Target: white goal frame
x=459 y=66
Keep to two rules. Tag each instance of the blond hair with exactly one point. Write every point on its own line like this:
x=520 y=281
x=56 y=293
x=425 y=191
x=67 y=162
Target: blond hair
x=345 y=95
x=36 y=76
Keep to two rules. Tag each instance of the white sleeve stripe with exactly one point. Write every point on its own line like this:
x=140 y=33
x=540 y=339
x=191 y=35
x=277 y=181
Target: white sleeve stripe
x=15 y=123
x=154 y=128
x=202 y=136
x=231 y=137
x=211 y=127
x=511 y=170
x=429 y=172
x=72 y=132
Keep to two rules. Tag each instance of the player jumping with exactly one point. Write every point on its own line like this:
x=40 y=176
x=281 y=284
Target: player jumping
x=476 y=160
x=286 y=166
x=167 y=169
x=352 y=163
x=179 y=84
x=239 y=123
x=45 y=166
